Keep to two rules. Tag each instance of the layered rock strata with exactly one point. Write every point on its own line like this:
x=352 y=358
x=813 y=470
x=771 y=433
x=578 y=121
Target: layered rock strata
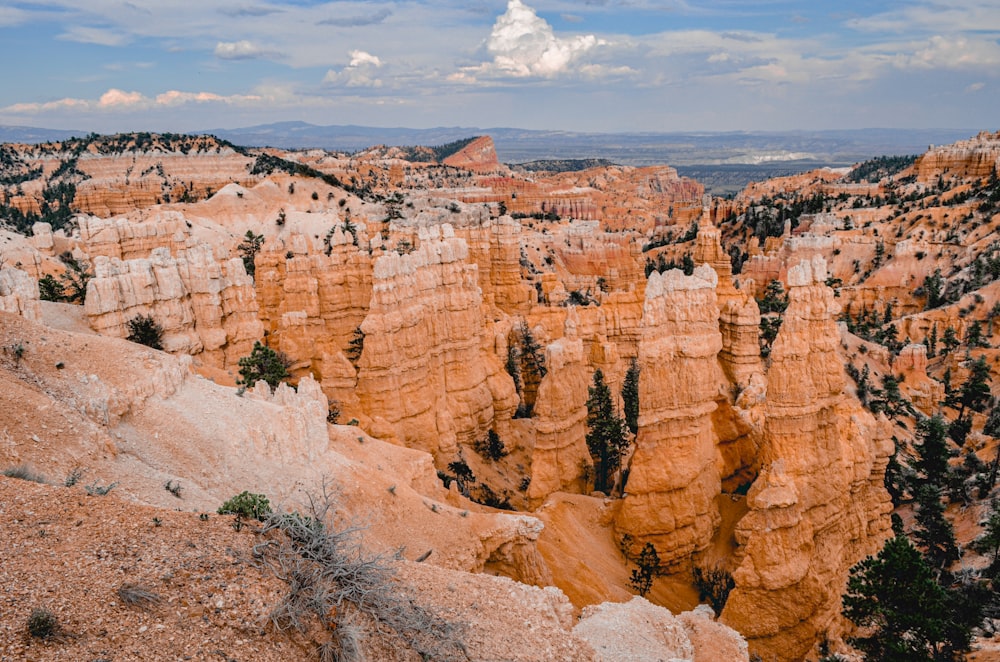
x=674 y=477
x=311 y=302
x=19 y=293
x=205 y=307
x=560 y=421
x=423 y=375
x=819 y=504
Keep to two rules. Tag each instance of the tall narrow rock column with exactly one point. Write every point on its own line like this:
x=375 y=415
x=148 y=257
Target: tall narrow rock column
x=674 y=476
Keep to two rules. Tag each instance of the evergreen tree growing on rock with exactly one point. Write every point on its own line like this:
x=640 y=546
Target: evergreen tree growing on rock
x=263 y=363
x=630 y=396
x=607 y=439
x=902 y=610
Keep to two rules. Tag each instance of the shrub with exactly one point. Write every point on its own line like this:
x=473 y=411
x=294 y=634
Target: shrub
x=42 y=623
x=714 y=585
x=648 y=570
x=173 y=488
x=247 y=505
x=135 y=595
x=50 y=289
x=145 y=330
x=492 y=447
x=73 y=477
x=95 y=489
x=332 y=580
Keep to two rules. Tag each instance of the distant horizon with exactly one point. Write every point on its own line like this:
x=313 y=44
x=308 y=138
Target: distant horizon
x=608 y=66
x=453 y=127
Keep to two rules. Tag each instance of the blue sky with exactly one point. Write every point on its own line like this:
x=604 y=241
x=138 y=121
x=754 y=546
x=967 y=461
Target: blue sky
x=585 y=65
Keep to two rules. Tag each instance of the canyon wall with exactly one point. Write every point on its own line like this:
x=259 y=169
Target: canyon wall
x=204 y=306
x=423 y=376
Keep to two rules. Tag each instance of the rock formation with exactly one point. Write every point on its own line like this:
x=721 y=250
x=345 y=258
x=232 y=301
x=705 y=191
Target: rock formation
x=423 y=375
x=674 y=477
x=203 y=306
x=560 y=422
x=977 y=157
x=19 y=293
x=819 y=504
x=623 y=632
x=126 y=239
x=480 y=156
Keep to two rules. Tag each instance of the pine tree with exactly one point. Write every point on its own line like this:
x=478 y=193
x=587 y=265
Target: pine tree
x=263 y=363
x=606 y=434
x=355 y=346
x=950 y=339
x=934 y=533
x=894 y=598
x=75 y=279
x=649 y=568
x=989 y=542
x=630 y=396
x=975 y=393
x=932 y=286
x=974 y=335
x=248 y=250
x=932 y=342
x=50 y=289
x=932 y=451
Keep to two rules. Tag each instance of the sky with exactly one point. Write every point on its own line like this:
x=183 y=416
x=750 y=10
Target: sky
x=582 y=65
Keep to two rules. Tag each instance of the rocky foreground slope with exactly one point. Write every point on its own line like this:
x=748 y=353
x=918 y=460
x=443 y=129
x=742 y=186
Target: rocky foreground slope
x=435 y=299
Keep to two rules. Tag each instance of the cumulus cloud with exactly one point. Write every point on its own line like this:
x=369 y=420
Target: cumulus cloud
x=360 y=71
x=114 y=97
x=240 y=50
x=523 y=44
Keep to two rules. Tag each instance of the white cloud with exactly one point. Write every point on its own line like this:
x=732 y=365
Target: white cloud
x=240 y=50
x=99 y=36
x=975 y=87
x=361 y=58
x=360 y=72
x=522 y=45
x=120 y=100
x=12 y=16
x=953 y=53
x=114 y=97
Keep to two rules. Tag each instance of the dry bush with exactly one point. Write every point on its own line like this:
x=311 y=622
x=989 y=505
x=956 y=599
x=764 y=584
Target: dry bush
x=352 y=594
x=135 y=595
x=24 y=472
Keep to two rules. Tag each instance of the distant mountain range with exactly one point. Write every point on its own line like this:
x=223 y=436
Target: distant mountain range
x=724 y=158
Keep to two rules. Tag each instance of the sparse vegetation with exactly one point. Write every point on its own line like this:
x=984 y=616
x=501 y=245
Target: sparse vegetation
x=96 y=489
x=607 y=437
x=42 y=624
x=247 y=505
x=335 y=585
x=145 y=330
x=263 y=364
x=649 y=569
x=136 y=595
x=714 y=585
x=248 y=249
x=491 y=447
